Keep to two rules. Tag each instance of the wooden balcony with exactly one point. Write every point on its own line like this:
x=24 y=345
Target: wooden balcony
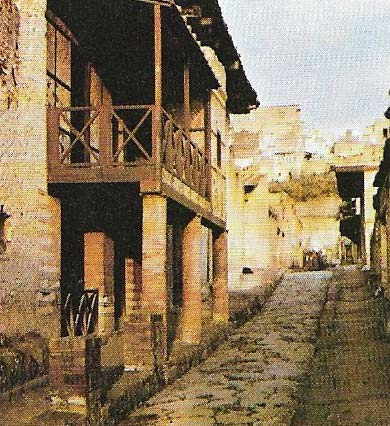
x=104 y=144
x=132 y=143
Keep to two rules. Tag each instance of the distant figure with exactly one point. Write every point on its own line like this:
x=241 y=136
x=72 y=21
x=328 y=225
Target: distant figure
x=379 y=292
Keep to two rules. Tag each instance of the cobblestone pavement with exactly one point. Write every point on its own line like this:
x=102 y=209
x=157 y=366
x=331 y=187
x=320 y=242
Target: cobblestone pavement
x=254 y=378
x=350 y=380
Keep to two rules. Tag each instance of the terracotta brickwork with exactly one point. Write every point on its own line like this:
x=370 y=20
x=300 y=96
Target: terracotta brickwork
x=75 y=370
x=192 y=302
x=113 y=241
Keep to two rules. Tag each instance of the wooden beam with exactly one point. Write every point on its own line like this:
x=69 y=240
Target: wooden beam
x=53 y=136
x=207 y=135
x=157 y=113
x=157 y=56
x=187 y=99
x=167 y=3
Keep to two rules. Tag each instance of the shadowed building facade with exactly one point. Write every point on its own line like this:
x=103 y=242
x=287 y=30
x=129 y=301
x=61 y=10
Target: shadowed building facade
x=113 y=152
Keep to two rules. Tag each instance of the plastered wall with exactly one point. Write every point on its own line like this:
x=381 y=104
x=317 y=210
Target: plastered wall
x=31 y=262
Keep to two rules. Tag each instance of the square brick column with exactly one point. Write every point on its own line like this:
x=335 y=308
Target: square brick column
x=220 y=277
x=191 y=323
x=154 y=254
x=75 y=374
x=133 y=282
x=99 y=274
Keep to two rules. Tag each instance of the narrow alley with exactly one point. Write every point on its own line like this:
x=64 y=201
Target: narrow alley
x=253 y=378
x=317 y=340
x=194 y=213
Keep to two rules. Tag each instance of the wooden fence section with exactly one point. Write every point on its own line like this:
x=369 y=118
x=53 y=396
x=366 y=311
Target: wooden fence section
x=127 y=143
x=183 y=158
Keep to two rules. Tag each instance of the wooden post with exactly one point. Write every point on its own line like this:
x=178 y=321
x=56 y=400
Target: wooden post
x=157 y=111
x=53 y=136
x=207 y=135
x=186 y=97
x=105 y=136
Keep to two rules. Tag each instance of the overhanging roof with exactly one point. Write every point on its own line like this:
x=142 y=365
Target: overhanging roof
x=117 y=36
x=205 y=17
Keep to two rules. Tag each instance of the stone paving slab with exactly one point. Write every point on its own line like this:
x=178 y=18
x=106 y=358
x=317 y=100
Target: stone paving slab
x=350 y=380
x=254 y=378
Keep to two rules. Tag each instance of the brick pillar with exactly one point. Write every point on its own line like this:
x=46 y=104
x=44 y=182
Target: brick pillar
x=220 y=277
x=99 y=274
x=75 y=373
x=191 y=324
x=154 y=254
x=133 y=271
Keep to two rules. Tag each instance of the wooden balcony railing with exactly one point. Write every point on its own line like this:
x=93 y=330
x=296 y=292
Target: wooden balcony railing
x=88 y=136
x=125 y=143
x=183 y=158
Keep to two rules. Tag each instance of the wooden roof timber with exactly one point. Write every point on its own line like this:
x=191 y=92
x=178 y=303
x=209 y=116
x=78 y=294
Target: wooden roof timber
x=205 y=17
x=117 y=31
x=176 y=24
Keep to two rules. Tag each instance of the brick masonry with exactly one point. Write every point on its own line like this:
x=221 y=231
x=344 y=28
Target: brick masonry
x=31 y=262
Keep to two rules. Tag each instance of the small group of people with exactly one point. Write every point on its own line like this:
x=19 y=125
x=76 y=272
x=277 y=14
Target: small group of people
x=314 y=261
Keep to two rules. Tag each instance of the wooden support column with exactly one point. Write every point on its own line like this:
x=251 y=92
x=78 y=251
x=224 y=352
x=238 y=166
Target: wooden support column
x=187 y=97
x=105 y=137
x=53 y=135
x=191 y=324
x=207 y=135
x=154 y=254
x=158 y=89
x=99 y=274
x=220 y=277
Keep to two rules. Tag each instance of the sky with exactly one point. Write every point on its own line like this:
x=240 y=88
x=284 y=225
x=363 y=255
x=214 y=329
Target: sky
x=332 y=57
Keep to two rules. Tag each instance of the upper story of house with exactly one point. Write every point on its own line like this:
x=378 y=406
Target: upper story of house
x=140 y=91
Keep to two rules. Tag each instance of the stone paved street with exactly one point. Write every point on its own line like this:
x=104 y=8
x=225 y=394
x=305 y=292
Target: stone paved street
x=350 y=380
x=254 y=378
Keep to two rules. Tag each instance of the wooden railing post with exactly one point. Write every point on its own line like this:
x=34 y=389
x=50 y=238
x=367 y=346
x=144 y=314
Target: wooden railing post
x=207 y=135
x=105 y=136
x=157 y=137
x=53 y=137
x=187 y=161
x=186 y=97
x=157 y=110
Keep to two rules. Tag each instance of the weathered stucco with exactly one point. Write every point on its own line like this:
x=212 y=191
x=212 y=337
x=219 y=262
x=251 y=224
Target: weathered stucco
x=9 y=55
x=30 y=266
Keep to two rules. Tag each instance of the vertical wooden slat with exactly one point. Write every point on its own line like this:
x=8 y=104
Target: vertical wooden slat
x=207 y=135
x=157 y=111
x=186 y=97
x=105 y=137
x=169 y=152
x=195 y=168
x=187 y=161
x=53 y=136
